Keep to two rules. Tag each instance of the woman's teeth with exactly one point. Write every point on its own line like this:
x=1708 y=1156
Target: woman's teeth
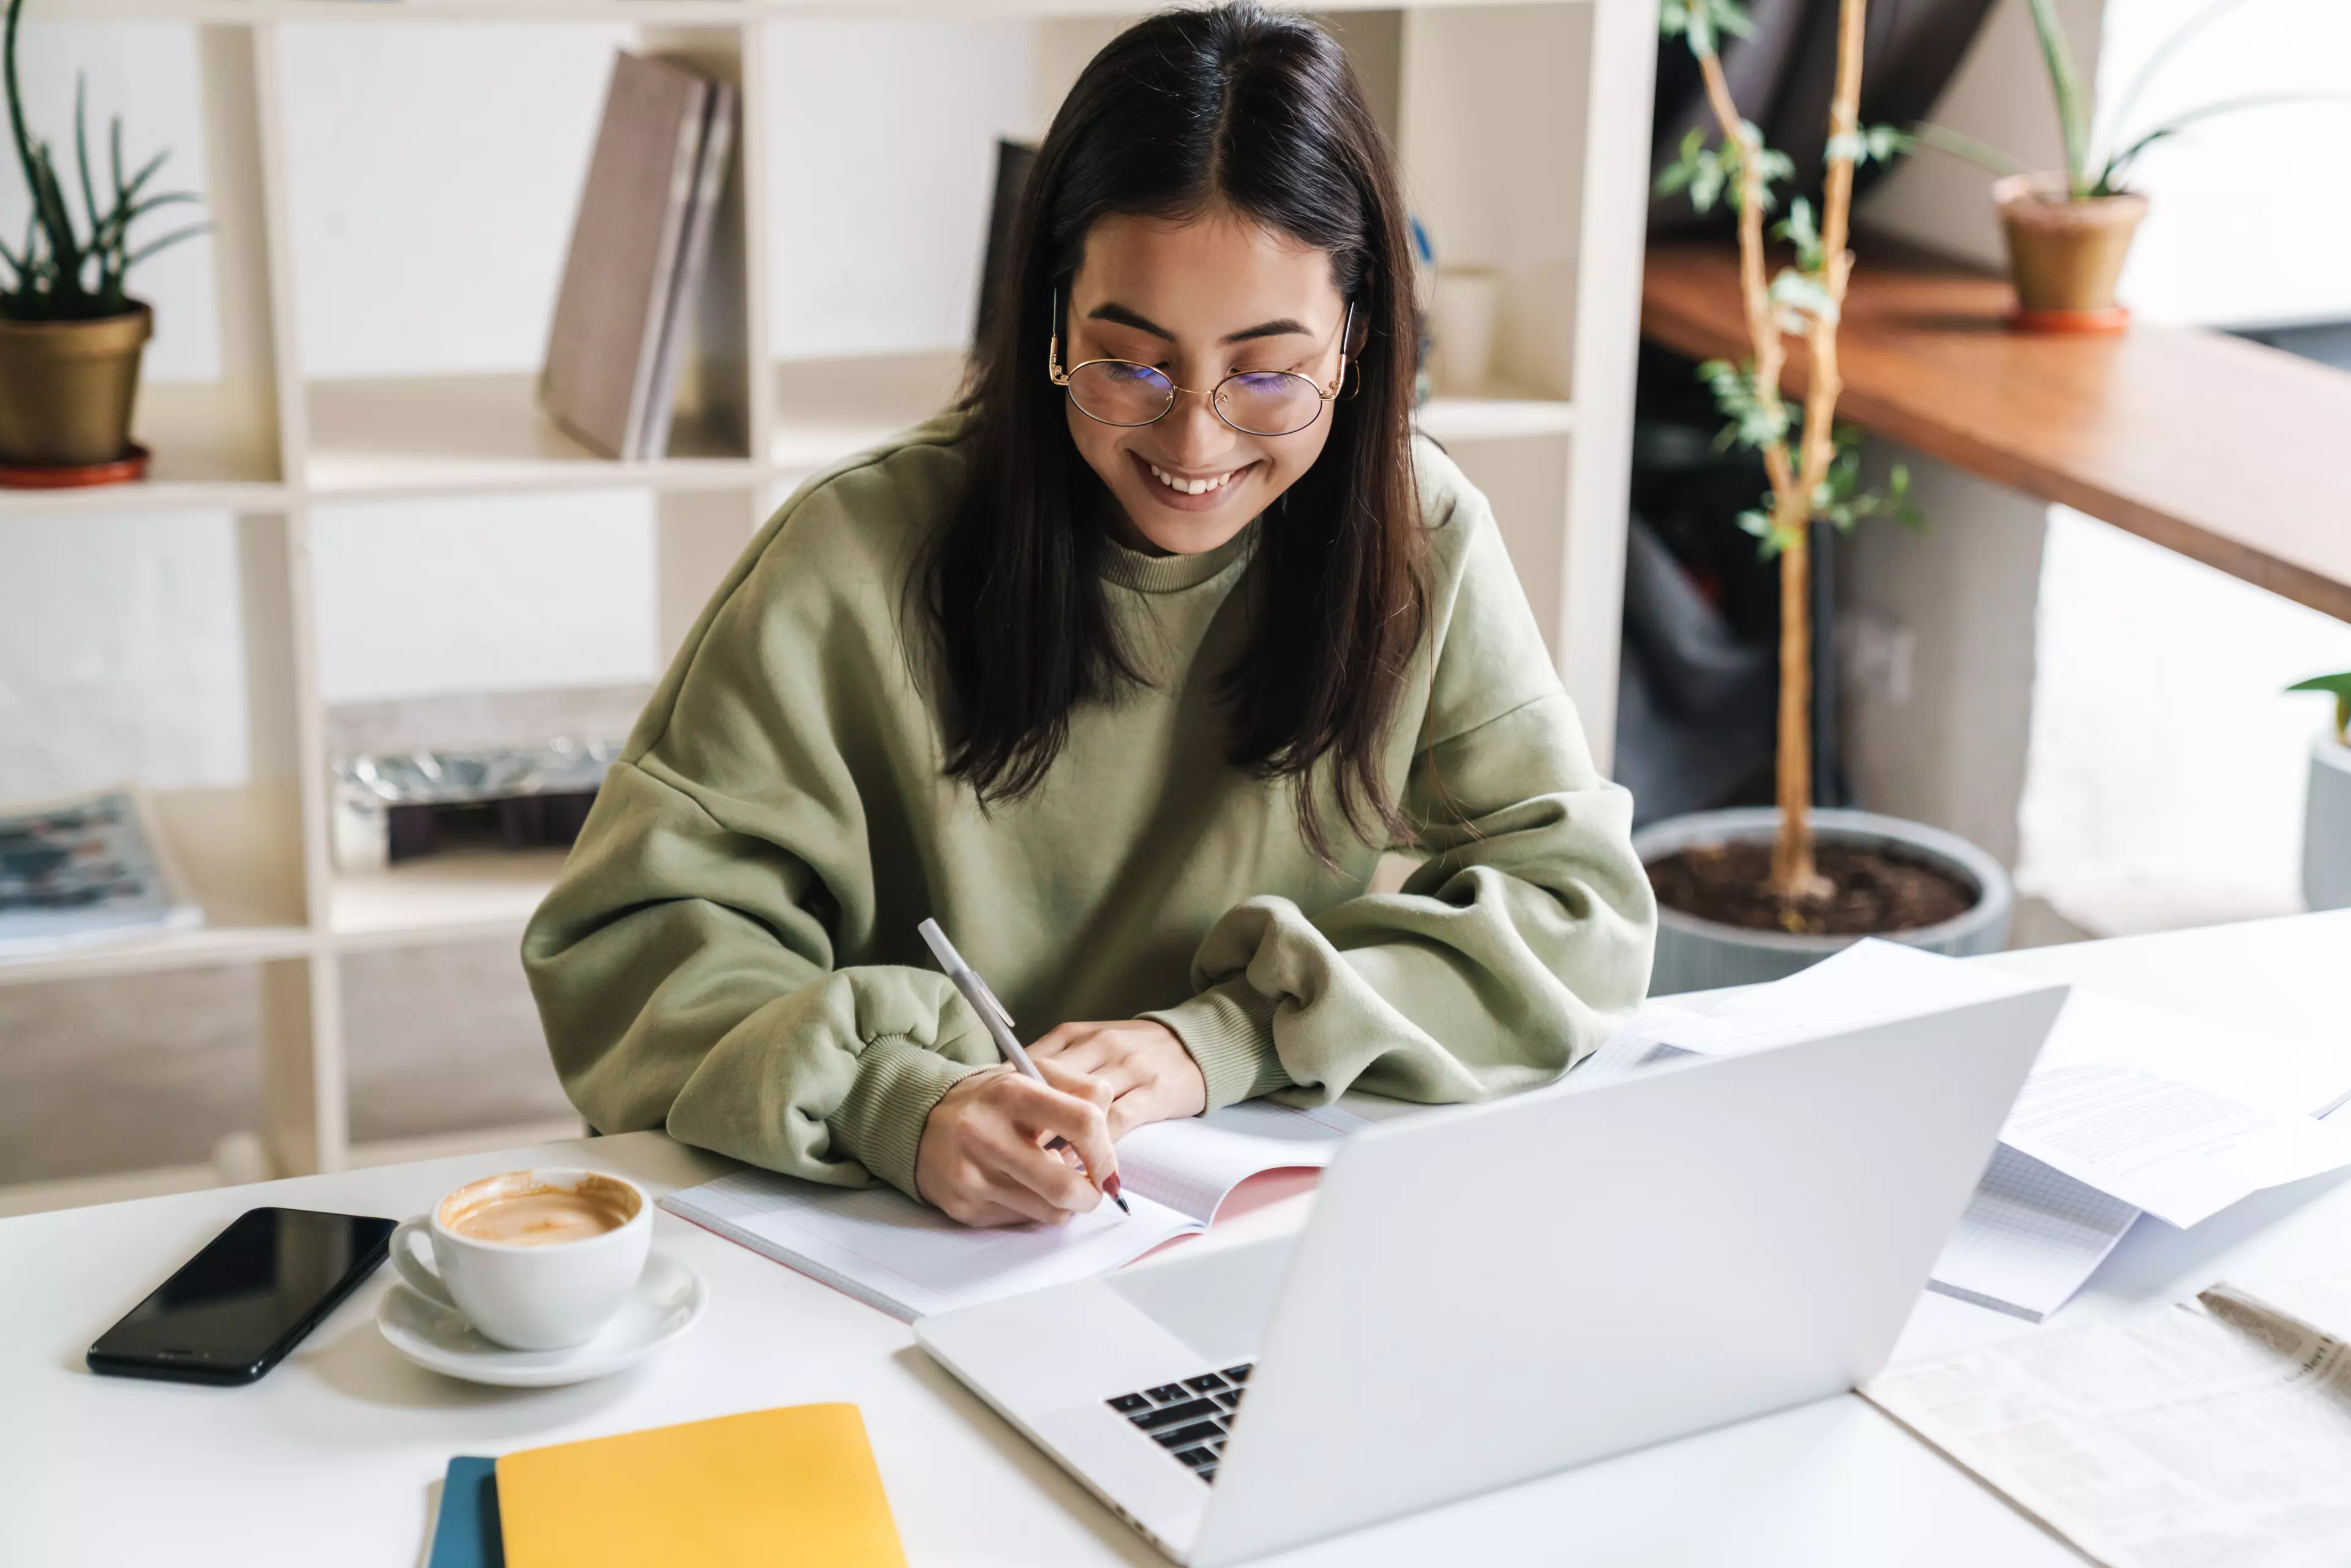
x=1190 y=487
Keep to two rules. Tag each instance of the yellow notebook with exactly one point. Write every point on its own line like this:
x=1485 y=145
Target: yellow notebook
x=779 y=1488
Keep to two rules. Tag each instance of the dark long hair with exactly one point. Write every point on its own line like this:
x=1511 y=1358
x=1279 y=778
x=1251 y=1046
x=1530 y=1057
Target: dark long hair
x=1262 y=113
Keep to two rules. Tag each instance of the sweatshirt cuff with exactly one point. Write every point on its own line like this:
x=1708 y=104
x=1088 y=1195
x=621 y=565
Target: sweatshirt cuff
x=1228 y=1029
x=880 y=1125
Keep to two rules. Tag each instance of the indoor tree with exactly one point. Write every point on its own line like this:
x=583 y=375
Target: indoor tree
x=1812 y=466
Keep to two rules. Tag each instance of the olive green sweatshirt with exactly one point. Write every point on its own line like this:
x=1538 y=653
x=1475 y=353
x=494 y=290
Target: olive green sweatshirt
x=731 y=952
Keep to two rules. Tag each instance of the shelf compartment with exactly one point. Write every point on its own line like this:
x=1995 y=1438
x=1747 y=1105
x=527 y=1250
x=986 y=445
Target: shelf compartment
x=231 y=845
x=409 y=436
x=200 y=463
x=457 y=897
x=1499 y=413
x=827 y=410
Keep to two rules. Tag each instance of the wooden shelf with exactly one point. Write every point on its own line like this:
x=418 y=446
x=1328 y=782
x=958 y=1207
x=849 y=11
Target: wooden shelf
x=465 y=435
x=2224 y=451
x=1562 y=83
x=457 y=897
x=1499 y=414
x=827 y=410
x=199 y=464
x=231 y=844
x=659 y=12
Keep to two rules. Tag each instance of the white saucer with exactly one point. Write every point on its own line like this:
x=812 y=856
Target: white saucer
x=668 y=1300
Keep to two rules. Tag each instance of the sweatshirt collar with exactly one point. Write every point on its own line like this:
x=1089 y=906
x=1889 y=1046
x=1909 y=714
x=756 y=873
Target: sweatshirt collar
x=1174 y=573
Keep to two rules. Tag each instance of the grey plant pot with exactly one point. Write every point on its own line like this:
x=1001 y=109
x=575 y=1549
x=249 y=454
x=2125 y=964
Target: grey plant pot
x=1696 y=955
x=2326 y=825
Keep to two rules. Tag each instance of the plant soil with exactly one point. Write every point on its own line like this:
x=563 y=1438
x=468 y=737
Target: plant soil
x=1875 y=894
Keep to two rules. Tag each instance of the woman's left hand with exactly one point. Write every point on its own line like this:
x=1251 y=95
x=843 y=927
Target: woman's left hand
x=1148 y=1073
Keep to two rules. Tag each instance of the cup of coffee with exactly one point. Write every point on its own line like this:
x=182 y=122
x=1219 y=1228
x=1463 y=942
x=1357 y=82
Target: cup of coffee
x=537 y=1260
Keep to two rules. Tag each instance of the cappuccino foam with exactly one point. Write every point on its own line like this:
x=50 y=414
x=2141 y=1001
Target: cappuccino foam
x=542 y=1216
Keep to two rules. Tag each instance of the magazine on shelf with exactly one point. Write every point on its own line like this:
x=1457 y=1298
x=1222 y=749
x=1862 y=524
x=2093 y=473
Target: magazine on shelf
x=87 y=868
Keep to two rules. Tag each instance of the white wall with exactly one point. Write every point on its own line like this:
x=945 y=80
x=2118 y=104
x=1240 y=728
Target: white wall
x=2246 y=225
x=432 y=172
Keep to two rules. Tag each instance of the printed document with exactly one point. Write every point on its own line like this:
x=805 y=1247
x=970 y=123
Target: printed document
x=2207 y=1436
x=2130 y=1108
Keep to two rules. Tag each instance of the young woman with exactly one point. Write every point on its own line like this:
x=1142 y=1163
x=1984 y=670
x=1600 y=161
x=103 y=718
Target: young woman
x=1127 y=671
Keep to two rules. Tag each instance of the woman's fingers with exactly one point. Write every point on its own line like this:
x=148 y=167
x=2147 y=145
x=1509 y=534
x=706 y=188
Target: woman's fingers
x=1093 y=1088
x=1048 y=1111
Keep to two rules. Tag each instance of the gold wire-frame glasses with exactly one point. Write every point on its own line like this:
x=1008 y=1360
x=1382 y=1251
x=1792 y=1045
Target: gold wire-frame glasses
x=1127 y=395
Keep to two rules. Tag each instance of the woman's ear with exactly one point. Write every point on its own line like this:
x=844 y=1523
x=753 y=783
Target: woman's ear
x=1359 y=329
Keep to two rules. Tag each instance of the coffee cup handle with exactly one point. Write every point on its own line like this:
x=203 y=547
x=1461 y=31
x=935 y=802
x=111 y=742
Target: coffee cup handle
x=414 y=1271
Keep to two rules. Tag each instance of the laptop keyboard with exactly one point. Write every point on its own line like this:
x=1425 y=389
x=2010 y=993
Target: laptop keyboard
x=1190 y=1418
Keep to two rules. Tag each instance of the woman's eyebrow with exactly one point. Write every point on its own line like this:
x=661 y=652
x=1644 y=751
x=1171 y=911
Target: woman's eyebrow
x=1112 y=311
x=1119 y=313
x=1282 y=327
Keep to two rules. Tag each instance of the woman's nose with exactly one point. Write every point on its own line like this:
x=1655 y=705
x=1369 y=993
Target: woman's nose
x=1196 y=438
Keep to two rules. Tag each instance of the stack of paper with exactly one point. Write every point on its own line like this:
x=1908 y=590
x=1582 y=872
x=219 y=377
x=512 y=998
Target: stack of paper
x=2213 y=1435
x=2129 y=1109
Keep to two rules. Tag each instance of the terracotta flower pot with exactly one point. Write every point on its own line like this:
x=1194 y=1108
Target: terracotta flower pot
x=2065 y=255
x=67 y=387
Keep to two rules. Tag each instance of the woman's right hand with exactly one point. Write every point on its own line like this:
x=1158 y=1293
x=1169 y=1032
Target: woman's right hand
x=983 y=1159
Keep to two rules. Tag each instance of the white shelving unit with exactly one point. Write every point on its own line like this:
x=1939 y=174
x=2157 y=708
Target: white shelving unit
x=1523 y=131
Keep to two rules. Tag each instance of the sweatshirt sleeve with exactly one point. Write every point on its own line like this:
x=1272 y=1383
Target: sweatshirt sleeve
x=685 y=964
x=1511 y=952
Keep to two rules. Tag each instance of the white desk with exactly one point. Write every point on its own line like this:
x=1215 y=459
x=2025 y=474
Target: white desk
x=330 y=1458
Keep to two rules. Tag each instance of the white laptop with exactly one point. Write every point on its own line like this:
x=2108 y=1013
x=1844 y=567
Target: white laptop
x=1491 y=1292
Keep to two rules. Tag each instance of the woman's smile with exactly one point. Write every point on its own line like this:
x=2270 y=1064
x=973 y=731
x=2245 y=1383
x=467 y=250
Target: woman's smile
x=1192 y=491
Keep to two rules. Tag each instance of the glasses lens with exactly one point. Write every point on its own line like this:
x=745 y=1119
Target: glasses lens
x=1269 y=402
x=1117 y=392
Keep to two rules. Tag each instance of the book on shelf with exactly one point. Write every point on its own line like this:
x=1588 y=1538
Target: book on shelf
x=77 y=869
x=640 y=249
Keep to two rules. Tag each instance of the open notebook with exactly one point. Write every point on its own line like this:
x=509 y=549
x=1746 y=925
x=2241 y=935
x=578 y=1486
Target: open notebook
x=882 y=1248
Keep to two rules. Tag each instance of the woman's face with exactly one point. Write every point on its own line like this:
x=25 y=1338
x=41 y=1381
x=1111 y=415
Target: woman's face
x=1198 y=301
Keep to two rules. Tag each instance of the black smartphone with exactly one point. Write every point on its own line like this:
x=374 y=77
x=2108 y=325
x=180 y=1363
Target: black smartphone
x=235 y=1309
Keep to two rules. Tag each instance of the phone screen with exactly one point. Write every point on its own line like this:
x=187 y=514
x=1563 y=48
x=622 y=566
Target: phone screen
x=246 y=1299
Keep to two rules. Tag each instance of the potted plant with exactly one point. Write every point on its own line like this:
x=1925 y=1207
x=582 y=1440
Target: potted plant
x=2069 y=232
x=70 y=337
x=1753 y=894
x=2326 y=810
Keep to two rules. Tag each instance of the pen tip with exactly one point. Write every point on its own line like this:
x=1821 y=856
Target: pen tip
x=1122 y=1207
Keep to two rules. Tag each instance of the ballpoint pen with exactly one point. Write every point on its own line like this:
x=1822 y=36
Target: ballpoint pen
x=999 y=1029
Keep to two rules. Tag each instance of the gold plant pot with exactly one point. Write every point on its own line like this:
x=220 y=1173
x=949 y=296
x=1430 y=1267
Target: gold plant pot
x=2065 y=256
x=67 y=387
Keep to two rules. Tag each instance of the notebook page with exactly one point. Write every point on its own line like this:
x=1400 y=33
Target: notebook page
x=2030 y=1237
x=1191 y=1165
x=908 y=1259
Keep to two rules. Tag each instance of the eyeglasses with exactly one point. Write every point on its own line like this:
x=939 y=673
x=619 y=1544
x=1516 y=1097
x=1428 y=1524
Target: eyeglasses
x=1255 y=402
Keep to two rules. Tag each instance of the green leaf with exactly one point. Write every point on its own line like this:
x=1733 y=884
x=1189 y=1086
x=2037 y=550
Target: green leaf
x=2065 y=86
x=1875 y=141
x=1982 y=154
x=2118 y=167
x=1800 y=300
x=1799 y=229
x=2340 y=686
x=1704 y=23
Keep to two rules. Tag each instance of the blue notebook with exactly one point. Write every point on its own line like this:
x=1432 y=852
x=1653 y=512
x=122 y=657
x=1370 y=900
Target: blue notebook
x=466 y=1534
